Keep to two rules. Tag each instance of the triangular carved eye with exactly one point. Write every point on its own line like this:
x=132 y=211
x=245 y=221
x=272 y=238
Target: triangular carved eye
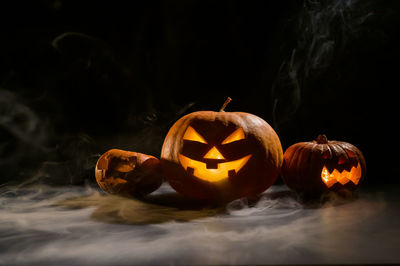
x=192 y=135
x=238 y=134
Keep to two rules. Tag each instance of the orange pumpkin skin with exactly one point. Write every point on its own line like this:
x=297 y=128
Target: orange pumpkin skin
x=309 y=167
x=258 y=142
x=128 y=173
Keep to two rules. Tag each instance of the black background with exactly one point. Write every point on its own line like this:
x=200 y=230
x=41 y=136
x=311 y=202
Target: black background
x=80 y=77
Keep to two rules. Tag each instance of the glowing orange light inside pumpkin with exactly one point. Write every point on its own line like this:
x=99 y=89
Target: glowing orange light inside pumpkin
x=213 y=175
x=200 y=170
x=343 y=177
x=192 y=135
x=238 y=134
x=213 y=154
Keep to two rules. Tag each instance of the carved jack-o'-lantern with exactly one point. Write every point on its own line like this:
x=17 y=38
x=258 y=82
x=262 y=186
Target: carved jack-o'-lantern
x=312 y=168
x=128 y=173
x=221 y=155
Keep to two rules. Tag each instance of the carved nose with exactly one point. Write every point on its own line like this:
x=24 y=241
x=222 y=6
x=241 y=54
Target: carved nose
x=213 y=153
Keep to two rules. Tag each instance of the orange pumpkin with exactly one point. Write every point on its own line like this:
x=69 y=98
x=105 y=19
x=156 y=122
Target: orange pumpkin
x=128 y=173
x=312 y=168
x=221 y=155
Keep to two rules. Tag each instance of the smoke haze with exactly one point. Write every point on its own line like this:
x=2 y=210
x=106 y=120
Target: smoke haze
x=81 y=226
x=322 y=31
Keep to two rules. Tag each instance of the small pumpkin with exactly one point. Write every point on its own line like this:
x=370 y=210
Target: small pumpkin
x=128 y=173
x=312 y=168
x=221 y=155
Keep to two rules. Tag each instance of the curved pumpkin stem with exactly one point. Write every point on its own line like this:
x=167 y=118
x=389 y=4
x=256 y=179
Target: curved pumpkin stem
x=228 y=100
x=322 y=139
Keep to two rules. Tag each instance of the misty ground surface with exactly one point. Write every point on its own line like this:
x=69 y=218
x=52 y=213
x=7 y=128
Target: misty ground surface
x=74 y=225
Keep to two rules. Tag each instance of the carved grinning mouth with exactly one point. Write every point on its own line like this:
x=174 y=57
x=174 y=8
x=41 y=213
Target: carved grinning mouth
x=343 y=177
x=222 y=171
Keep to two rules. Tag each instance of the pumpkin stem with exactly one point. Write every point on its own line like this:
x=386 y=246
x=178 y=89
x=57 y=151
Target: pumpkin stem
x=228 y=100
x=322 y=139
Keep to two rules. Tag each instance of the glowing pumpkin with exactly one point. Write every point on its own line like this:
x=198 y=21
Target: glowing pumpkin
x=312 y=168
x=128 y=173
x=221 y=155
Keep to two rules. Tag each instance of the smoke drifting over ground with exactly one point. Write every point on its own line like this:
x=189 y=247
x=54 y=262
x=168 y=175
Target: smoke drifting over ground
x=81 y=226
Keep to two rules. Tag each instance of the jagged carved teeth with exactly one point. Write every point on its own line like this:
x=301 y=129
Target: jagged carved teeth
x=343 y=177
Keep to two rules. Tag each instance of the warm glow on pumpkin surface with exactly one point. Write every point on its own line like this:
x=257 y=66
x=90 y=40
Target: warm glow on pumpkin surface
x=212 y=175
x=343 y=177
x=200 y=170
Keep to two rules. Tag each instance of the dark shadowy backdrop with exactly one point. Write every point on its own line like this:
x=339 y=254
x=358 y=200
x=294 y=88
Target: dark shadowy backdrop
x=80 y=77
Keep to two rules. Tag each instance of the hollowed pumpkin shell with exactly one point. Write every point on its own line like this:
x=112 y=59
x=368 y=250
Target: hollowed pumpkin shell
x=128 y=173
x=221 y=155
x=312 y=168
